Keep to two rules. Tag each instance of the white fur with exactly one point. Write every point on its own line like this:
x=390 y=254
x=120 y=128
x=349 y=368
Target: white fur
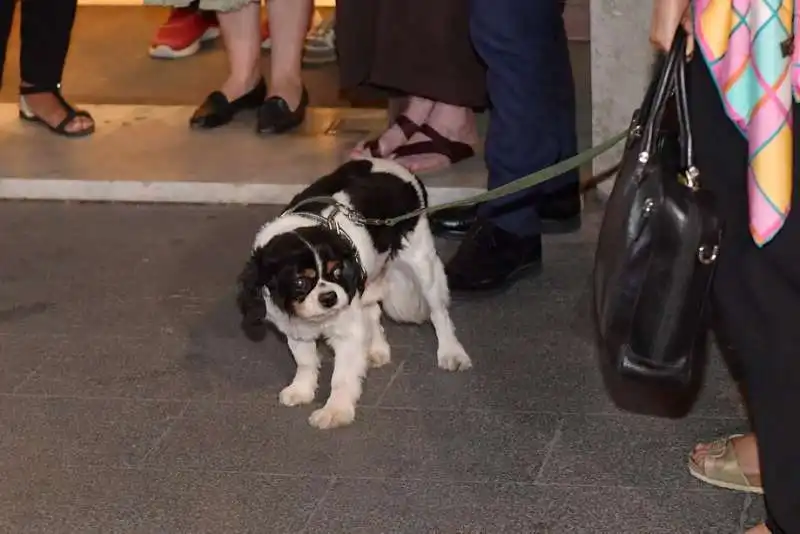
x=412 y=287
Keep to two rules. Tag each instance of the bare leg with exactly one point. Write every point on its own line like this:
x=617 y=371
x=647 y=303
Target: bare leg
x=760 y=529
x=242 y=35
x=288 y=25
x=304 y=385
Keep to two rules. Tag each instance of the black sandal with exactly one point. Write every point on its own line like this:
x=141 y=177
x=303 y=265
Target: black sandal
x=454 y=151
x=406 y=125
x=25 y=112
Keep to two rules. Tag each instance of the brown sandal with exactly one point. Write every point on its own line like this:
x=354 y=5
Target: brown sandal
x=454 y=151
x=406 y=125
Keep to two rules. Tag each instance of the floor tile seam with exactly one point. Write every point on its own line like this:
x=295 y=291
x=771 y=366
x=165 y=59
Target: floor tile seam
x=397 y=372
x=747 y=502
x=355 y=478
x=204 y=401
x=318 y=506
x=550 y=450
x=156 y=444
x=35 y=371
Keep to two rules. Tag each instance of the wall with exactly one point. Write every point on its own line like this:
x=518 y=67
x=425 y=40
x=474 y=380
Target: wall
x=621 y=57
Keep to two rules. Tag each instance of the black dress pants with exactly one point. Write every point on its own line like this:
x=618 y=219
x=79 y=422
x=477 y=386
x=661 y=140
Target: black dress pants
x=45 y=35
x=757 y=292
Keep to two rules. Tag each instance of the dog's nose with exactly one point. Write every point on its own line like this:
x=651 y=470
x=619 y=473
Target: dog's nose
x=328 y=299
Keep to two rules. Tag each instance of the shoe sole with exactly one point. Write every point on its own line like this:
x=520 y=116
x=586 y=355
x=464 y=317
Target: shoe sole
x=165 y=52
x=722 y=484
x=526 y=271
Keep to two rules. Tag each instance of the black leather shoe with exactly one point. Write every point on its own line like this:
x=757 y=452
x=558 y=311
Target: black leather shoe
x=490 y=260
x=560 y=211
x=454 y=222
x=274 y=115
x=217 y=111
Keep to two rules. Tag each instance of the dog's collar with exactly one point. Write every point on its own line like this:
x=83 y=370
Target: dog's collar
x=331 y=223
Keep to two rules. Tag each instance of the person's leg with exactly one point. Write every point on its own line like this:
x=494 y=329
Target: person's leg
x=757 y=291
x=287 y=99
x=531 y=126
x=288 y=27
x=6 y=20
x=244 y=87
x=184 y=31
x=241 y=33
x=45 y=37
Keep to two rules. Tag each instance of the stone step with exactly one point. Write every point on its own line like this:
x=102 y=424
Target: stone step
x=147 y=154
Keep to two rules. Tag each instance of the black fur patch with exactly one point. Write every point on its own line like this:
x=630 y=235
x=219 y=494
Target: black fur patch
x=375 y=195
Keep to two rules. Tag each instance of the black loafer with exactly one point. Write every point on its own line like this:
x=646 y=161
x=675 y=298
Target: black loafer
x=217 y=111
x=275 y=116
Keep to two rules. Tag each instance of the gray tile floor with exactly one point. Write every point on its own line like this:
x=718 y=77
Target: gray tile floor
x=130 y=403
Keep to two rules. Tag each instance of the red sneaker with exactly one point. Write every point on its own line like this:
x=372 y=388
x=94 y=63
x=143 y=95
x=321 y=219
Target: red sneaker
x=183 y=32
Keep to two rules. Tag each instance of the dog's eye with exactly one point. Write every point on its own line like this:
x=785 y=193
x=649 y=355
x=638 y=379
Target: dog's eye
x=300 y=283
x=337 y=272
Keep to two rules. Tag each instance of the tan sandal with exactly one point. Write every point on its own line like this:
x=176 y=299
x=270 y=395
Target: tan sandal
x=720 y=468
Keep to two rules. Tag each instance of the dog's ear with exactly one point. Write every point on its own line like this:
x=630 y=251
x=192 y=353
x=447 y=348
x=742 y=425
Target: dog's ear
x=250 y=299
x=353 y=278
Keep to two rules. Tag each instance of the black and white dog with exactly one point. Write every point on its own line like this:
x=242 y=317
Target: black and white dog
x=317 y=271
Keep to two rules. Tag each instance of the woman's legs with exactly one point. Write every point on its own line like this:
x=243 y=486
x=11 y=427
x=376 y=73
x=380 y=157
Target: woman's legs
x=46 y=31
x=241 y=33
x=288 y=25
x=758 y=294
x=6 y=20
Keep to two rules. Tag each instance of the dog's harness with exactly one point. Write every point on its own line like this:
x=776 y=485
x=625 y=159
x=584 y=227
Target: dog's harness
x=330 y=223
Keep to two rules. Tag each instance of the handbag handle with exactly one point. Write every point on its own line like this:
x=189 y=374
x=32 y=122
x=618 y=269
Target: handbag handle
x=671 y=82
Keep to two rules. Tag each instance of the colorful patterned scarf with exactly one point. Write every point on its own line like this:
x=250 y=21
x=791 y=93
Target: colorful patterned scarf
x=749 y=48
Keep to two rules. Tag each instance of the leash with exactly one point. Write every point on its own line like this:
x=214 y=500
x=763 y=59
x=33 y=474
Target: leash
x=517 y=185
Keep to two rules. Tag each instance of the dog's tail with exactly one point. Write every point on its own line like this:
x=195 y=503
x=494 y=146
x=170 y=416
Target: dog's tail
x=403 y=300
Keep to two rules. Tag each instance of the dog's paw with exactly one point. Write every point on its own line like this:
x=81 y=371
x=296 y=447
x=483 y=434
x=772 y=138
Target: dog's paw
x=296 y=394
x=332 y=416
x=454 y=360
x=379 y=355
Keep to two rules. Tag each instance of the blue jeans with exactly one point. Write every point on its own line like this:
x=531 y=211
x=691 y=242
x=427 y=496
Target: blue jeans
x=532 y=95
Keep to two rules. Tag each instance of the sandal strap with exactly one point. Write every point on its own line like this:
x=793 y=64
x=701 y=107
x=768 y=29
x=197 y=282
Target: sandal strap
x=722 y=463
x=406 y=125
x=455 y=151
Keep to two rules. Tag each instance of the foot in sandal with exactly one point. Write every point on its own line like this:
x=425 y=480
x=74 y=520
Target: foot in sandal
x=759 y=529
x=730 y=463
x=405 y=126
x=46 y=106
x=447 y=137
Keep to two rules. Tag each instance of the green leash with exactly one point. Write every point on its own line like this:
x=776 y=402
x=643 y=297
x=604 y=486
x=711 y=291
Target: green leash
x=519 y=184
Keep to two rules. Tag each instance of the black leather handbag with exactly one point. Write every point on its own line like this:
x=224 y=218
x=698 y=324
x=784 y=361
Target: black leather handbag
x=655 y=257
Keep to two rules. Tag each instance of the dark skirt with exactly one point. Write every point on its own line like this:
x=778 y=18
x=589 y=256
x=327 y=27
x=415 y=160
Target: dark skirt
x=410 y=47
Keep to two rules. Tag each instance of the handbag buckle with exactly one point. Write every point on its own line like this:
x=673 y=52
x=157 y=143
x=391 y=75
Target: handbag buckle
x=707 y=254
x=689 y=178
